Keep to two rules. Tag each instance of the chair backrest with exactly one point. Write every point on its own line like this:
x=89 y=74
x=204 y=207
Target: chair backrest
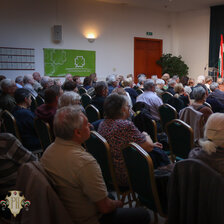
x=181 y=138
x=9 y=124
x=33 y=105
x=166 y=96
x=167 y=113
x=100 y=150
x=145 y=123
x=139 y=91
x=92 y=113
x=82 y=90
x=141 y=176
x=39 y=100
x=195 y=119
x=195 y=194
x=85 y=99
x=44 y=132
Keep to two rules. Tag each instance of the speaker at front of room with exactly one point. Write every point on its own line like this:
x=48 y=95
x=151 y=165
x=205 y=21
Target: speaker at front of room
x=57 y=33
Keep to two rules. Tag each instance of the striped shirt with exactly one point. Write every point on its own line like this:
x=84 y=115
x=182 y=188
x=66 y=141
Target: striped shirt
x=12 y=155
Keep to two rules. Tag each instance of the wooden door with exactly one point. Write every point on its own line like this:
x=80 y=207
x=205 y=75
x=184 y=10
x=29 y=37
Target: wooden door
x=146 y=53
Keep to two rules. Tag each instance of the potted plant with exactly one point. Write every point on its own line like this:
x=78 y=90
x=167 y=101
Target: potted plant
x=173 y=65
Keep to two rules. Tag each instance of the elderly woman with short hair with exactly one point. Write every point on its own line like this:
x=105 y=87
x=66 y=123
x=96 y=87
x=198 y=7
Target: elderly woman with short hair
x=200 y=94
x=70 y=98
x=211 y=150
x=119 y=132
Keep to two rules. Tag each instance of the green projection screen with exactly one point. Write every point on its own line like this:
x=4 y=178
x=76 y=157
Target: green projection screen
x=59 y=62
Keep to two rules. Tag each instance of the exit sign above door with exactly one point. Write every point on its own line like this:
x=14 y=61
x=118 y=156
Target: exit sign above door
x=149 y=33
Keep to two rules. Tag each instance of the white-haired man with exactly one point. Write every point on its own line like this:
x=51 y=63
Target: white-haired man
x=28 y=84
x=37 y=77
x=77 y=175
x=68 y=77
x=112 y=83
x=149 y=97
x=141 y=80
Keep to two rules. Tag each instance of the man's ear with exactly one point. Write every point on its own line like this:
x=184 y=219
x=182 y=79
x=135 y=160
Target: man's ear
x=77 y=133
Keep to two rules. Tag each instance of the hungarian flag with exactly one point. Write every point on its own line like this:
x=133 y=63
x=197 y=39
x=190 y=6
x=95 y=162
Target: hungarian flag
x=220 y=62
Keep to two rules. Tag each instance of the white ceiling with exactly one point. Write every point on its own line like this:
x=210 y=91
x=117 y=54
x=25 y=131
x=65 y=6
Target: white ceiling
x=168 y=5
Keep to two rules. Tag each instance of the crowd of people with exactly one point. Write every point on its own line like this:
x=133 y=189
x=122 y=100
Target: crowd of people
x=77 y=176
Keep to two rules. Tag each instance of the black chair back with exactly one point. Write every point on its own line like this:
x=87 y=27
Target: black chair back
x=33 y=105
x=181 y=139
x=39 y=100
x=44 y=133
x=9 y=124
x=92 y=113
x=85 y=99
x=141 y=176
x=82 y=90
x=144 y=123
x=166 y=96
x=167 y=113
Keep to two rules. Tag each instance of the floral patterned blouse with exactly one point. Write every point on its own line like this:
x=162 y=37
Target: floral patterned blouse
x=119 y=133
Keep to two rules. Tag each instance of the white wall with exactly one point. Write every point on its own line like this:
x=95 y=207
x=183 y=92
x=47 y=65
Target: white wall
x=192 y=40
x=28 y=23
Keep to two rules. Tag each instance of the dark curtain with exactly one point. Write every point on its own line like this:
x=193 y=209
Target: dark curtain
x=216 y=29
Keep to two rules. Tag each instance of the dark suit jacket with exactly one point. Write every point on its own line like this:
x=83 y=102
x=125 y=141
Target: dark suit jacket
x=218 y=95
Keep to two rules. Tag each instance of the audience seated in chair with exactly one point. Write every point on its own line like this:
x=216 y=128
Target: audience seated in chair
x=149 y=96
x=112 y=83
x=200 y=94
x=69 y=86
x=7 y=101
x=171 y=85
x=77 y=176
x=45 y=83
x=101 y=90
x=25 y=119
x=128 y=87
x=47 y=110
x=28 y=84
x=37 y=78
x=119 y=132
x=216 y=98
x=211 y=150
x=19 y=81
x=70 y=98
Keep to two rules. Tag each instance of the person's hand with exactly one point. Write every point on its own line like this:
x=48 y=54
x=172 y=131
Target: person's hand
x=118 y=204
x=158 y=145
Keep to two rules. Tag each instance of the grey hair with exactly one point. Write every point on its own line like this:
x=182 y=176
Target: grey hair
x=214 y=86
x=171 y=82
x=213 y=134
x=141 y=78
x=27 y=78
x=220 y=81
x=113 y=106
x=69 y=98
x=19 y=79
x=199 y=93
x=111 y=78
x=149 y=84
x=6 y=83
x=44 y=81
x=160 y=82
x=66 y=120
x=200 y=79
